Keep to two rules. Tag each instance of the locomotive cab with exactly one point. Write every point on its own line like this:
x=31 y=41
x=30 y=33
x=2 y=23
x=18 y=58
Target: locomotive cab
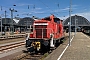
x=45 y=33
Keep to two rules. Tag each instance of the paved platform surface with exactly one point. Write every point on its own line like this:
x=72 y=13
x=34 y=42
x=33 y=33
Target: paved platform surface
x=79 y=49
x=55 y=54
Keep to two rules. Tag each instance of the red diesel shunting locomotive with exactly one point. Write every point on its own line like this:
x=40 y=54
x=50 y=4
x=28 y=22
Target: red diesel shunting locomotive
x=47 y=32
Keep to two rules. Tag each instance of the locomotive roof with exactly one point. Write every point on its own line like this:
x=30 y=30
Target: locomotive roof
x=48 y=18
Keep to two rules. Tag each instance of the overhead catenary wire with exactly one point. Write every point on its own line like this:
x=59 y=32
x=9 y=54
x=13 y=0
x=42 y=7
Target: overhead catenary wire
x=48 y=7
x=34 y=7
x=58 y=5
x=1 y=8
x=28 y=6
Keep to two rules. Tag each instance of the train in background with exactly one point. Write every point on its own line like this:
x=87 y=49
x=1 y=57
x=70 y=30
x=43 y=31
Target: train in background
x=47 y=33
x=86 y=31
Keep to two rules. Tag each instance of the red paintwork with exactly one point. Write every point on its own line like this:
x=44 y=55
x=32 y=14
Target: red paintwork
x=49 y=26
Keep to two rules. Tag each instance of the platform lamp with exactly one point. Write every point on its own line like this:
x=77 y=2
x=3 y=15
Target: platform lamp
x=75 y=24
x=1 y=24
x=70 y=24
x=5 y=19
x=1 y=20
x=12 y=23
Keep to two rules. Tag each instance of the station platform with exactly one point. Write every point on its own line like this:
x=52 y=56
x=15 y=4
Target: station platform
x=12 y=36
x=79 y=49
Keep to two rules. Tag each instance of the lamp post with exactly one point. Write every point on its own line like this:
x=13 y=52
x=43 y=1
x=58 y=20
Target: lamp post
x=75 y=24
x=5 y=20
x=26 y=25
x=12 y=23
x=11 y=20
x=70 y=25
x=1 y=20
x=1 y=24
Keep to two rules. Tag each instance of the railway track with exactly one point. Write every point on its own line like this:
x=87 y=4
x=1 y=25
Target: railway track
x=24 y=55
x=34 y=56
x=8 y=47
x=28 y=56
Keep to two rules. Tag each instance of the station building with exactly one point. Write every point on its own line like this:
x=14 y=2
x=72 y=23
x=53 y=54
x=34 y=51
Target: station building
x=77 y=21
x=22 y=25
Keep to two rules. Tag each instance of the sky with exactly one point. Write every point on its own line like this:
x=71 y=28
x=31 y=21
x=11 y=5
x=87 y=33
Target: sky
x=44 y=8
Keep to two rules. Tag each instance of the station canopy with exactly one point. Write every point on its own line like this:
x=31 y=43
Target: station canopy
x=27 y=21
x=80 y=21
